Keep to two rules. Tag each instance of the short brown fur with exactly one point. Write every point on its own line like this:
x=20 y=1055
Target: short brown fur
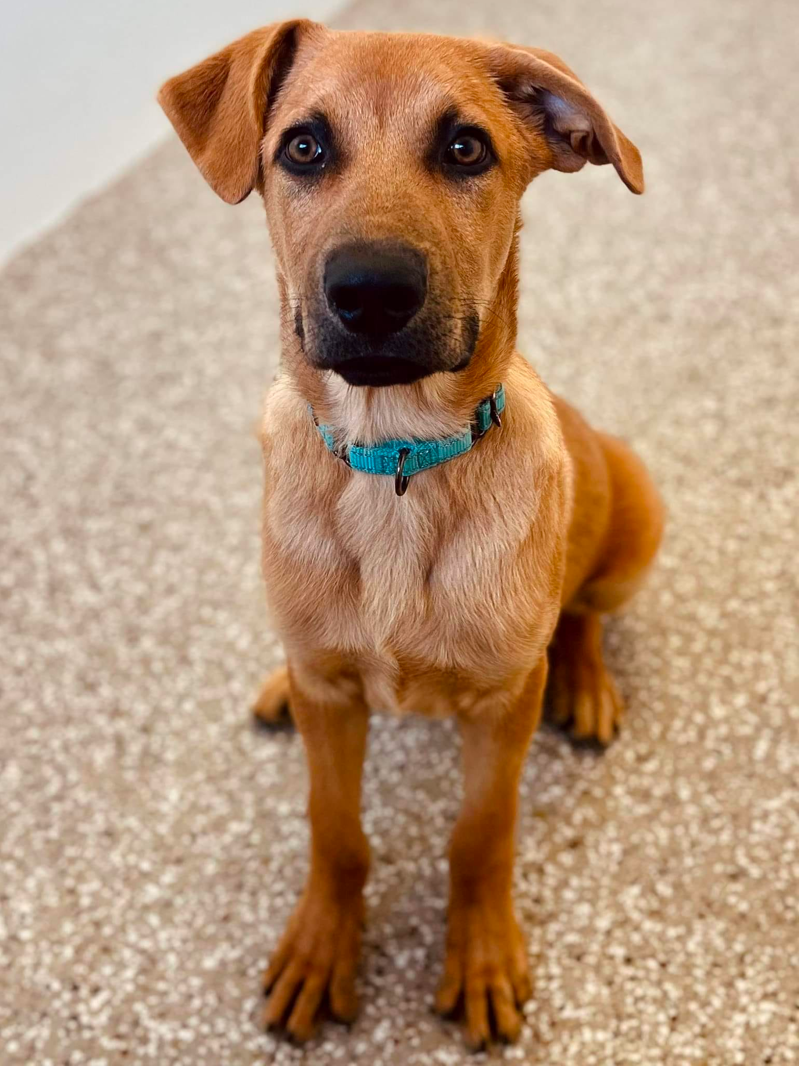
x=458 y=597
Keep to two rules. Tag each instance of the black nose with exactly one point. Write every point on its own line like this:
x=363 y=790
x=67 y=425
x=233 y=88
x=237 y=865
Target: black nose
x=375 y=288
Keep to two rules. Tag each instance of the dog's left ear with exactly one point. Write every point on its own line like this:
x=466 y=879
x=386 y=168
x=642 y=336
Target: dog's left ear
x=542 y=89
x=219 y=107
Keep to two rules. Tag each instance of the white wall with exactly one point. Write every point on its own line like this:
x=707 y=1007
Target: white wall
x=77 y=86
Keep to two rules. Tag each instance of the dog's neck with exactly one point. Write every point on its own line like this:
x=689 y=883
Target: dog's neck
x=427 y=409
x=433 y=407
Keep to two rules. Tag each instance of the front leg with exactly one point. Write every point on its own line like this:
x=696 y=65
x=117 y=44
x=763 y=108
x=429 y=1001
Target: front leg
x=319 y=952
x=486 y=961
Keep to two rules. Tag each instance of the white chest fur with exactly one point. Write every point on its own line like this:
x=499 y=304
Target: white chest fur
x=434 y=582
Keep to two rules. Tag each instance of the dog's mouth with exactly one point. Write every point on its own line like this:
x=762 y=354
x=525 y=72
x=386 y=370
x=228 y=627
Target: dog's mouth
x=380 y=370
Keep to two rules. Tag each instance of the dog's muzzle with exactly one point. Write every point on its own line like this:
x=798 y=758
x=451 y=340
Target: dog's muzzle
x=376 y=319
x=373 y=292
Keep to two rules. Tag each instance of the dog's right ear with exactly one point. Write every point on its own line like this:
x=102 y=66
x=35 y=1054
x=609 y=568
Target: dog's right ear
x=219 y=107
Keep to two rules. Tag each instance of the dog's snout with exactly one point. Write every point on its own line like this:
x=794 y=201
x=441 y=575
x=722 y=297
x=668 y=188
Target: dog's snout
x=375 y=289
x=375 y=320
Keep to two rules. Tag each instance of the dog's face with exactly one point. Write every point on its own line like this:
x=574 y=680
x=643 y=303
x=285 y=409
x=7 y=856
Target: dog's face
x=391 y=179
x=391 y=167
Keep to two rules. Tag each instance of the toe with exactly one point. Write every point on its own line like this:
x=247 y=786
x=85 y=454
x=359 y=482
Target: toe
x=303 y=1017
x=477 y=1014
x=605 y=716
x=523 y=989
x=278 y=962
x=282 y=995
x=450 y=987
x=520 y=975
x=342 y=992
x=506 y=1016
x=584 y=716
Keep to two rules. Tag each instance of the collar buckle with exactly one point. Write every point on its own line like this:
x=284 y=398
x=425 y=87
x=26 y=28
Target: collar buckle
x=494 y=413
x=479 y=427
x=401 y=480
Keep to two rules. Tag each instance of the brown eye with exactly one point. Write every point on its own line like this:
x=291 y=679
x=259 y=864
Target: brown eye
x=303 y=149
x=467 y=151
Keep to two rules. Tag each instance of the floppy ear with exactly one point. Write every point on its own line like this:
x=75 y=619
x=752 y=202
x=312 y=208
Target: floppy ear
x=219 y=107
x=544 y=91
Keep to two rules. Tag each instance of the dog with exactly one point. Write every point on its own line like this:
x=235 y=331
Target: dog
x=438 y=528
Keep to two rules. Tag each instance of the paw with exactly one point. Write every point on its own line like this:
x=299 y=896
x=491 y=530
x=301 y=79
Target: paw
x=317 y=958
x=272 y=705
x=486 y=967
x=583 y=693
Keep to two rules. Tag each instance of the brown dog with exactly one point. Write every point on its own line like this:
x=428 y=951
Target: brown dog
x=391 y=169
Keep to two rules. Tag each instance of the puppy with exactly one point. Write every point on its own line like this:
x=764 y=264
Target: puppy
x=438 y=527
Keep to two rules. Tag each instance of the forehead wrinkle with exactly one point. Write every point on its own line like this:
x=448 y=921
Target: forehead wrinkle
x=408 y=97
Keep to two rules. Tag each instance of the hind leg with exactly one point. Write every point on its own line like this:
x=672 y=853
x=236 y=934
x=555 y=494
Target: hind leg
x=272 y=704
x=582 y=692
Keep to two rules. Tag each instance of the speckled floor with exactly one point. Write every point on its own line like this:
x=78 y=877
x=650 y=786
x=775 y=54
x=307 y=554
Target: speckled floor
x=152 y=843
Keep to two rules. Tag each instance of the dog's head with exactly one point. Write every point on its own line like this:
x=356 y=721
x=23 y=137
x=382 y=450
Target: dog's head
x=391 y=167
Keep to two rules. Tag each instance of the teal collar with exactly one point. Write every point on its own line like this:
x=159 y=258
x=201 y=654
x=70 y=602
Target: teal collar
x=400 y=459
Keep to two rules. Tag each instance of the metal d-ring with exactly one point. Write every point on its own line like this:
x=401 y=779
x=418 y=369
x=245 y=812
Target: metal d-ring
x=494 y=414
x=401 y=480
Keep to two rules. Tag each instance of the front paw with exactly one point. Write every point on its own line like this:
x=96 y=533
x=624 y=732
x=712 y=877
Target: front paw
x=317 y=957
x=485 y=965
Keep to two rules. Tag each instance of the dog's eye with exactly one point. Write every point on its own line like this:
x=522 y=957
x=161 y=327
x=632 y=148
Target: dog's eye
x=467 y=150
x=303 y=149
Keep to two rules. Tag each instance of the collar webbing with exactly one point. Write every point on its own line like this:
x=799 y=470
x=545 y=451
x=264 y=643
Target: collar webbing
x=400 y=459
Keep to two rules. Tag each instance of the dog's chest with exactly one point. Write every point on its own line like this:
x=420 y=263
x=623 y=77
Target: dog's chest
x=413 y=591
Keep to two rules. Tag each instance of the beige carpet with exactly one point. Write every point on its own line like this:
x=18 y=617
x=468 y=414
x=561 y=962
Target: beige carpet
x=152 y=843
